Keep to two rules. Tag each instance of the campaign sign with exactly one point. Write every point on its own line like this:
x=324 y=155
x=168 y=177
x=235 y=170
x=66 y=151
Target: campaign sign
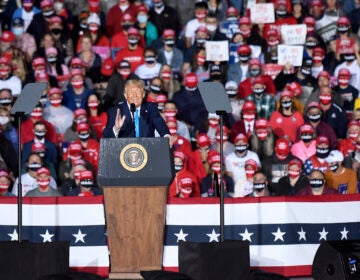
x=294 y=34
x=345 y=46
x=272 y=69
x=262 y=13
x=217 y=50
x=290 y=54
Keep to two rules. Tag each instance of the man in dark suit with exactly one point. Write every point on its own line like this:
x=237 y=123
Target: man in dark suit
x=122 y=121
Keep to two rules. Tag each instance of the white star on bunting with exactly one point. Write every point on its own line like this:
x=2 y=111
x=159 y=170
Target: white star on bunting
x=302 y=234
x=213 y=236
x=246 y=235
x=279 y=235
x=47 y=236
x=181 y=235
x=79 y=236
x=323 y=234
x=344 y=234
x=14 y=236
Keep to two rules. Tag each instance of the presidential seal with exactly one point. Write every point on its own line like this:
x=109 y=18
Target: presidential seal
x=133 y=157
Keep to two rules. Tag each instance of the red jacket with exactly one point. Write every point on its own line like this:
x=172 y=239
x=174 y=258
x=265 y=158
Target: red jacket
x=113 y=18
x=245 y=88
x=135 y=57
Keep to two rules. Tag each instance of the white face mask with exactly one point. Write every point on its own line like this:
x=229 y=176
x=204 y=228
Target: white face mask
x=211 y=27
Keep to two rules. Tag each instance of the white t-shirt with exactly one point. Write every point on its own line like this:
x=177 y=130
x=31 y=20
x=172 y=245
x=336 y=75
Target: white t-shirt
x=13 y=83
x=29 y=183
x=354 y=69
x=236 y=165
x=191 y=27
x=146 y=73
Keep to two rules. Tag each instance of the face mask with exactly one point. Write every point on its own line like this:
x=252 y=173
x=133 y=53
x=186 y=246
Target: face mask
x=211 y=27
x=169 y=43
x=254 y=72
x=322 y=152
x=325 y=99
x=261 y=134
x=5 y=101
x=4 y=120
x=39 y=134
x=155 y=89
x=281 y=13
x=200 y=41
x=353 y=136
x=93 y=29
x=87 y=183
x=216 y=169
x=316 y=183
x=83 y=25
x=343 y=82
x=258 y=91
x=41 y=154
x=286 y=104
x=81 y=120
x=51 y=59
x=166 y=75
x=213 y=123
x=186 y=192
x=84 y=137
x=48 y=14
x=231 y=93
x=77 y=84
x=349 y=57
x=314 y=118
x=18 y=31
x=173 y=131
x=190 y=89
x=200 y=15
x=150 y=59
x=126 y=26
x=274 y=59
x=56 y=31
x=249 y=117
x=259 y=186
x=306 y=137
x=142 y=18
x=159 y=5
x=170 y=113
x=240 y=148
x=93 y=105
x=55 y=102
x=342 y=29
x=4 y=186
x=249 y=173
x=310 y=44
x=305 y=71
x=34 y=166
x=133 y=41
x=244 y=58
x=124 y=73
x=225 y=138
x=294 y=173
x=334 y=167
x=178 y=167
x=43 y=183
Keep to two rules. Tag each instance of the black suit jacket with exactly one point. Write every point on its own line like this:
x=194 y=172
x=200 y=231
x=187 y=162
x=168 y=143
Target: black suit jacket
x=150 y=119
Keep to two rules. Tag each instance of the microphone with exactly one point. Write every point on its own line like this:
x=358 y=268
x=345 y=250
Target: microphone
x=132 y=110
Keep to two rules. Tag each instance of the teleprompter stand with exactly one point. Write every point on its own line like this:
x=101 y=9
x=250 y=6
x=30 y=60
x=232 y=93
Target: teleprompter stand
x=135 y=174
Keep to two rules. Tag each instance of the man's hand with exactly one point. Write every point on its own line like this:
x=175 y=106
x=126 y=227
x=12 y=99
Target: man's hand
x=119 y=121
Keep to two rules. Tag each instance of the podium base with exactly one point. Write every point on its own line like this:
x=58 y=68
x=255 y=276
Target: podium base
x=125 y=275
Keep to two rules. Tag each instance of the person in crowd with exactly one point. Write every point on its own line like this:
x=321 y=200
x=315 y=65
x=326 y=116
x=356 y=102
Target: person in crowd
x=238 y=71
x=228 y=147
x=287 y=119
x=115 y=13
x=51 y=154
x=186 y=187
x=43 y=181
x=28 y=179
x=201 y=10
x=244 y=186
x=5 y=183
x=26 y=12
x=264 y=102
x=70 y=135
x=235 y=162
x=210 y=185
x=292 y=183
x=27 y=127
x=317 y=185
x=96 y=113
x=7 y=79
x=191 y=107
x=180 y=143
x=348 y=145
x=247 y=120
x=313 y=115
x=318 y=161
x=72 y=179
x=76 y=95
x=146 y=28
x=306 y=146
x=55 y=67
x=146 y=115
x=260 y=184
x=182 y=171
x=169 y=84
x=7 y=128
x=163 y=16
x=57 y=114
x=338 y=177
x=255 y=71
x=87 y=185
x=170 y=110
x=169 y=54
x=150 y=68
x=262 y=142
x=198 y=64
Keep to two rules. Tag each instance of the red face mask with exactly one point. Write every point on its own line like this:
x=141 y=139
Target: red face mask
x=55 y=102
x=93 y=105
x=249 y=117
x=43 y=183
x=186 y=192
x=77 y=84
x=325 y=99
x=261 y=133
x=4 y=186
x=294 y=173
x=200 y=60
x=166 y=75
x=249 y=173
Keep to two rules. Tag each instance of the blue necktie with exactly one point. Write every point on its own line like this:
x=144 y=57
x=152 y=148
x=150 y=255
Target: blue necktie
x=137 y=123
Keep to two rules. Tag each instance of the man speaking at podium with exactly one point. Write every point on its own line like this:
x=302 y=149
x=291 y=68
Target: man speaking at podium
x=135 y=118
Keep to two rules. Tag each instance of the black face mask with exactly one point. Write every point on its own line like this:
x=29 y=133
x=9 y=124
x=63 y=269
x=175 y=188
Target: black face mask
x=286 y=104
x=170 y=43
x=322 y=152
x=150 y=59
x=244 y=58
x=316 y=183
x=48 y=14
x=51 y=59
x=348 y=57
x=306 y=71
x=306 y=137
x=39 y=134
x=310 y=44
x=314 y=118
x=56 y=31
x=200 y=41
x=259 y=187
x=34 y=166
x=155 y=89
x=274 y=59
x=240 y=148
x=334 y=167
x=84 y=137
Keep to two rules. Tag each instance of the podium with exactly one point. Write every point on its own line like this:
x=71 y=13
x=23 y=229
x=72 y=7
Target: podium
x=135 y=174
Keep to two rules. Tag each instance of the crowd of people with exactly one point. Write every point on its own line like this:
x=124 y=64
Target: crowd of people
x=293 y=130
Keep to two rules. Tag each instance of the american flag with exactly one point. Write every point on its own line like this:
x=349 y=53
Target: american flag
x=79 y=220
x=284 y=232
